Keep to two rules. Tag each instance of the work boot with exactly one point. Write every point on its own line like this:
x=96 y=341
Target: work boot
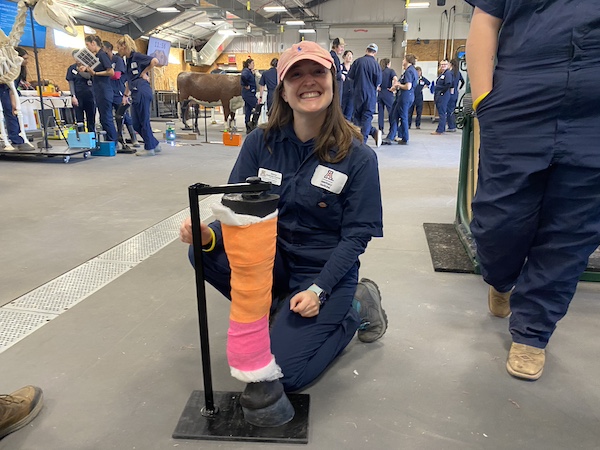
x=144 y=152
x=374 y=321
x=525 y=362
x=19 y=408
x=265 y=404
x=499 y=302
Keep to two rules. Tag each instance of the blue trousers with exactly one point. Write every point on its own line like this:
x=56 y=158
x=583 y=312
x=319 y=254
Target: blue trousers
x=303 y=347
x=406 y=100
x=418 y=105
x=382 y=105
x=441 y=103
x=140 y=115
x=363 y=117
x=535 y=221
x=87 y=106
x=105 y=110
x=348 y=105
x=250 y=102
x=10 y=120
x=450 y=111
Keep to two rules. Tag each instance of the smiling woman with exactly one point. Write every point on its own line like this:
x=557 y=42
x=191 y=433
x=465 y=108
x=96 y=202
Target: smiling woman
x=329 y=209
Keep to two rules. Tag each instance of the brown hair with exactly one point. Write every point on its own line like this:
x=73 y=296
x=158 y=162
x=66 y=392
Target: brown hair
x=384 y=62
x=411 y=59
x=336 y=131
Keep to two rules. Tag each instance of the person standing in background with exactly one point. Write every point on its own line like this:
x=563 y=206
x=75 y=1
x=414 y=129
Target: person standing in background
x=348 y=88
x=385 y=94
x=82 y=96
x=102 y=89
x=138 y=85
x=366 y=73
x=404 y=99
x=441 y=95
x=268 y=79
x=337 y=49
x=9 y=105
x=248 y=82
x=120 y=109
x=418 y=103
x=457 y=79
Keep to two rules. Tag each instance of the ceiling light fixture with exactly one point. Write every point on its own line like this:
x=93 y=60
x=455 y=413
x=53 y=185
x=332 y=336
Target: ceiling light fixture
x=275 y=9
x=417 y=5
x=167 y=9
x=307 y=31
x=227 y=32
x=295 y=23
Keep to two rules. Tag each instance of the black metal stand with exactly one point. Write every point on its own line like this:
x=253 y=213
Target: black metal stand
x=224 y=420
x=43 y=124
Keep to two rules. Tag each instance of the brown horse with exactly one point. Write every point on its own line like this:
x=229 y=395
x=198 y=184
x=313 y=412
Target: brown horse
x=209 y=89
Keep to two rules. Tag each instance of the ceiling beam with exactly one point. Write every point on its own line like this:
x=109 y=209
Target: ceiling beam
x=142 y=25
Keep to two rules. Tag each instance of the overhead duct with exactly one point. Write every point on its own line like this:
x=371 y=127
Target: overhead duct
x=211 y=50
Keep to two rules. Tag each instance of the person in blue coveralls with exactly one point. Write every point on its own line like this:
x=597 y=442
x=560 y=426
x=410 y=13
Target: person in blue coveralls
x=338 y=46
x=248 y=82
x=9 y=105
x=101 y=85
x=269 y=79
x=117 y=81
x=348 y=87
x=329 y=209
x=441 y=95
x=138 y=86
x=418 y=103
x=366 y=73
x=458 y=83
x=82 y=96
x=385 y=94
x=536 y=212
x=404 y=99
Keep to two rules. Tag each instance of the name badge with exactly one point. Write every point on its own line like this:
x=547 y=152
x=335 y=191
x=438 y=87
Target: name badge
x=74 y=71
x=135 y=72
x=270 y=176
x=134 y=65
x=329 y=179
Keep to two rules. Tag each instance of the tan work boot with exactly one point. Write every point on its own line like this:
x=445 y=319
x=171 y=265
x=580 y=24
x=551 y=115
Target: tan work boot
x=19 y=408
x=499 y=302
x=525 y=362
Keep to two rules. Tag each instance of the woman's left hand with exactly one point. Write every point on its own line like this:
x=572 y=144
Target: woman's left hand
x=305 y=303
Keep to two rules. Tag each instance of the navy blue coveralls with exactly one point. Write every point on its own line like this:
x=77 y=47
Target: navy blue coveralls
x=248 y=82
x=85 y=99
x=347 y=95
x=537 y=207
x=118 y=86
x=418 y=103
x=141 y=97
x=320 y=236
x=10 y=120
x=104 y=95
x=453 y=100
x=385 y=98
x=338 y=73
x=366 y=73
x=404 y=99
x=441 y=96
x=269 y=79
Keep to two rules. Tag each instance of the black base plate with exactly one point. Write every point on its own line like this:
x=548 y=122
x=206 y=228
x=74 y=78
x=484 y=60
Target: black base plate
x=229 y=424
x=447 y=251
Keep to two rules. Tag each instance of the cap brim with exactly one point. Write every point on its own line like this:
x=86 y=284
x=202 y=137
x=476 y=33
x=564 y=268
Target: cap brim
x=301 y=57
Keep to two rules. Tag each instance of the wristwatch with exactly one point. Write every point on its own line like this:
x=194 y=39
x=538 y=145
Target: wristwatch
x=320 y=293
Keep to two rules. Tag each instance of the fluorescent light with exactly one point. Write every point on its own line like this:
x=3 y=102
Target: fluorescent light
x=274 y=9
x=88 y=30
x=306 y=31
x=295 y=22
x=167 y=9
x=417 y=5
x=227 y=32
x=144 y=38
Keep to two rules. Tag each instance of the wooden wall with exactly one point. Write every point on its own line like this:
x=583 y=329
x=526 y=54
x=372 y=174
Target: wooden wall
x=431 y=50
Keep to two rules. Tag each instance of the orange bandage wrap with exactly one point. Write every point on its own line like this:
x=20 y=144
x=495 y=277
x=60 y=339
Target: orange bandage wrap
x=251 y=253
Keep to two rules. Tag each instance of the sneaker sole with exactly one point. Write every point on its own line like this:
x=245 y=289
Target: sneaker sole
x=28 y=418
x=372 y=286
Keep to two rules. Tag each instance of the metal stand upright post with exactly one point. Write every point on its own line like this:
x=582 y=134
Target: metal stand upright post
x=43 y=123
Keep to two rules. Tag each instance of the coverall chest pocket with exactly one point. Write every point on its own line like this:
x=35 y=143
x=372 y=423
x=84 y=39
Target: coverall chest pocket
x=320 y=209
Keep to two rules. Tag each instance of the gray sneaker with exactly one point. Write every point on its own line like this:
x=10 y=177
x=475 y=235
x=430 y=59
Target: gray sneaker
x=143 y=152
x=374 y=321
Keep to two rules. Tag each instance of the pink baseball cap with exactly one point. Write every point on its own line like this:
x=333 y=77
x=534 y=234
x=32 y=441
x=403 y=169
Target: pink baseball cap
x=300 y=51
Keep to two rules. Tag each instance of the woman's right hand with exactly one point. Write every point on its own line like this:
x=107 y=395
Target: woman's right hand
x=185 y=232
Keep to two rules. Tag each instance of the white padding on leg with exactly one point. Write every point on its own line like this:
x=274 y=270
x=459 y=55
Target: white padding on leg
x=270 y=372
x=228 y=217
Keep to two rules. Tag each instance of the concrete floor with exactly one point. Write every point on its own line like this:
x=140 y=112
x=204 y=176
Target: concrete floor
x=118 y=367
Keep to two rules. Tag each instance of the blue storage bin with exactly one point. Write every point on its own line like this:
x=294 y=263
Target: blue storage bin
x=105 y=149
x=86 y=140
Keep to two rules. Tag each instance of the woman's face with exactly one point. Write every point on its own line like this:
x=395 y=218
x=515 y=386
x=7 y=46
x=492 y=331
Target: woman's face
x=92 y=47
x=348 y=58
x=121 y=50
x=308 y=87
x=25 y=59
x=251 y=65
